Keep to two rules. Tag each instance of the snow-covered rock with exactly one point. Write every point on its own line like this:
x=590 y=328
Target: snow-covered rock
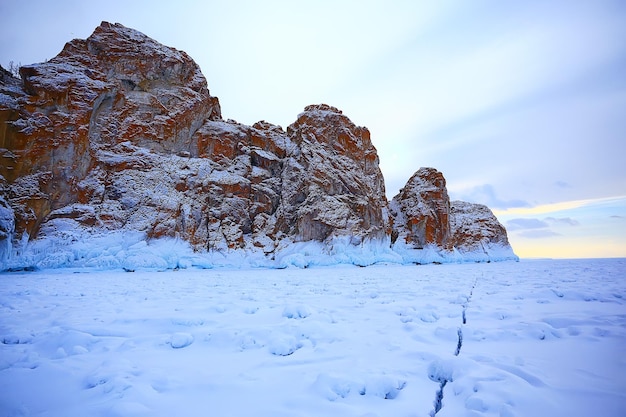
x=105 y=104
x=475 y=231
x=118 y=137
x=332 y=184
x=428 y=226
x=422 y=210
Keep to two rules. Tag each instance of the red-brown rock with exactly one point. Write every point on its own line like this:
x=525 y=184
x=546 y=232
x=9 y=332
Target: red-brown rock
x=423 y=215
x=76 y=112
x=332 y=184
x=422 y=210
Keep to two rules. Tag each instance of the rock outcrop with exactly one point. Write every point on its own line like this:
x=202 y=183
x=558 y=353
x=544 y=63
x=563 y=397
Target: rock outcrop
x=475 y=229
x=332 y=185
x=91 y=109
x=422 y=210
x=119 y=132
x=424 y=216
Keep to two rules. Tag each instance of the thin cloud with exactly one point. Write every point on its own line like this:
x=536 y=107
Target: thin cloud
x=562 y=221
x=525 y=224
x=564 y=206
x=486 y=194
x=534 y=228
x=538 y=233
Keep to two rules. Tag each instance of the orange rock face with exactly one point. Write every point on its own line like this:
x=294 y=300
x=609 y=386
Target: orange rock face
x=119 y=132
x=422 y=210
x=75 y=113
x=332 y=183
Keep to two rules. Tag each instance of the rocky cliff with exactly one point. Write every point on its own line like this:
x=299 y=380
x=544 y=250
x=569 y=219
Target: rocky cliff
x=422 y=210
x=120 y=133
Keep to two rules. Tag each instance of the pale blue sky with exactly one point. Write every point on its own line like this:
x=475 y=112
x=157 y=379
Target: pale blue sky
x=521 y=104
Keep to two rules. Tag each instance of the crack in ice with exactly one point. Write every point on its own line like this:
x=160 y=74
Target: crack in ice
x=438 y=398
x=438 y=403
x=459 y=343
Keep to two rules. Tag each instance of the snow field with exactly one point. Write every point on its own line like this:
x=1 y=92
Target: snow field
x=504 y=339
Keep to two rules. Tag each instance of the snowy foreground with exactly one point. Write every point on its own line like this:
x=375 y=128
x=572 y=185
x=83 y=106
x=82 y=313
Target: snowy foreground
x=528 y=338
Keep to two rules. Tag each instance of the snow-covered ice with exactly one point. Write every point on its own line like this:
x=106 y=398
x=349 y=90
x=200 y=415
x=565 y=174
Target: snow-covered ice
x=75 y=247
x=528 y=338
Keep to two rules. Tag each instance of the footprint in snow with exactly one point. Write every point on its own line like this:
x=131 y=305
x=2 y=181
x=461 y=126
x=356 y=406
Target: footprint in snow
x=251 y=310
x=284 y=346
x=180 y=340
x=382 y=386
x=17 y=339
x=296 y=312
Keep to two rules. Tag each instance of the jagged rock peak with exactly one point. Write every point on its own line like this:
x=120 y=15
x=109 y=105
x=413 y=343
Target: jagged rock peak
x=322 y=108
x=97 y=106
x=332 y=183
x=114 y=49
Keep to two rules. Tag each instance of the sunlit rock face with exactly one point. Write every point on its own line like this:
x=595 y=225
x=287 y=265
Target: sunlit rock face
x=423 y=215
x=422 y=210
x=119 y=132
x=332 y=184
x=91 y=113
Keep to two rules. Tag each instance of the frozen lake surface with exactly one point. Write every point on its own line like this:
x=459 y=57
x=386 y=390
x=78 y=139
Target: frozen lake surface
x=528 y=338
